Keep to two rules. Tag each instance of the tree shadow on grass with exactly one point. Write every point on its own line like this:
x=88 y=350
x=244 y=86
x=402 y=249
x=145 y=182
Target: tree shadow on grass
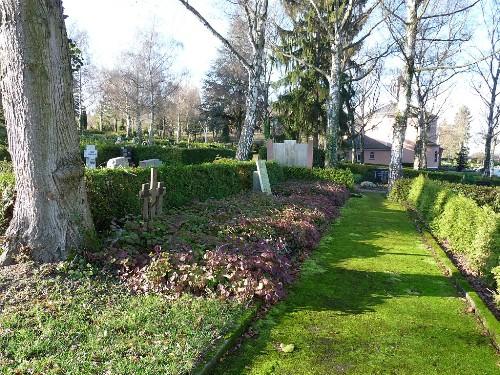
x=330 y=282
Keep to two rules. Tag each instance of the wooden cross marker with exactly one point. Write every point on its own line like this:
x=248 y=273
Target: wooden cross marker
x=152 y=196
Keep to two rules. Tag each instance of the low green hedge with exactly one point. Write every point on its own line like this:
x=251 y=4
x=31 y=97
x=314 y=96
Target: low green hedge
x=469 y=229
x=176 y=155
x=167 y=154
x=341 y=176
x=113 y=193
x=368 y=173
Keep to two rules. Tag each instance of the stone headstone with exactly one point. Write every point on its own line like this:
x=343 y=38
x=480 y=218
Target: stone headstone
x=150 y=163
x=90 y=155
x=120 y=162
x=265 y=186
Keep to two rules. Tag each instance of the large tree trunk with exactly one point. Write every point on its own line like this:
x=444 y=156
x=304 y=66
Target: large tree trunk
x=404 y=102
x=255 y=89
x=420 y=160
x=333 y=112
x=51 y=213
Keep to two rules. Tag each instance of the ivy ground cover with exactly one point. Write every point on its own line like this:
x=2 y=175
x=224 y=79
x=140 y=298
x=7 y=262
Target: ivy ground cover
x=370 y=300
x=160 y=295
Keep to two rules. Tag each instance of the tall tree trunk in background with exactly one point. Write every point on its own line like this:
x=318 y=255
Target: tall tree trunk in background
x=178 y=135
x=488 y=154
x=255 y=90
x=404 y=101
x=420 y=160
x=51 y=213
x=333 y=109
x=151 y=125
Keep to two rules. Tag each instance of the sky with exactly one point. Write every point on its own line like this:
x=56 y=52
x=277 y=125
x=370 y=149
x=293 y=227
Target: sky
x=112 y=25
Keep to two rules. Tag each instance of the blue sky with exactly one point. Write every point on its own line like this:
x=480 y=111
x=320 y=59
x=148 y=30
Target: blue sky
x=113 y=24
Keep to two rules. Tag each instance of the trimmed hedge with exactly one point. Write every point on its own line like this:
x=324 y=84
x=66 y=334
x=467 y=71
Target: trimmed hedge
x=167 y=154
x=469 y=229
x=367 y=171
x=113 y=193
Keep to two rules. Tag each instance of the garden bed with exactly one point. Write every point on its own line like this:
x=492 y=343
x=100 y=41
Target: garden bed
x=162 y=297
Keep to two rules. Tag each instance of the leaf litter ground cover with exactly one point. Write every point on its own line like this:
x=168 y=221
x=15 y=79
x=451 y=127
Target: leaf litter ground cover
x=160 y=295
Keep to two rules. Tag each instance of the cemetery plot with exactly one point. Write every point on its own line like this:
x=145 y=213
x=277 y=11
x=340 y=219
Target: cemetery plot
x=247 y=246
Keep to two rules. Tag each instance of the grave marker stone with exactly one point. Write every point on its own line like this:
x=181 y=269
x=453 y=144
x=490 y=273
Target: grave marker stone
x=150 y=163
x=152 y=196
x=265 y=186
x=117 y=163
x=90 y=155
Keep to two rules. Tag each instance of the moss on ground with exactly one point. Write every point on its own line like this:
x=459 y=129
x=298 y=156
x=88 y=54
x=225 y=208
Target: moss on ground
x=370 y=300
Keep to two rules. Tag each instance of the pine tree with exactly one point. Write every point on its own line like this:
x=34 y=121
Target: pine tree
x=462 y=158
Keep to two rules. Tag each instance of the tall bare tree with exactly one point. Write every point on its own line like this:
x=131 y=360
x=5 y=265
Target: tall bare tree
x=51 y=213
x=341 y=22
x=488 y=70
x=256 y=15
x=404 y=19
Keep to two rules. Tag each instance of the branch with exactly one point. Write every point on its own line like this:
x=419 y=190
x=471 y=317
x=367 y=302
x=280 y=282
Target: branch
x=301 y=61
x=456 y=66
x=450 y=13
x=321 y=20
x=224 y=41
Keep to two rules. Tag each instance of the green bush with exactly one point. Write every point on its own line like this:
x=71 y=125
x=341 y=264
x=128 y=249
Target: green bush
x=468 y=228
x=341 y=176
x=368 y=173
x=4 y=153
x=7 y=198
x=113 y=193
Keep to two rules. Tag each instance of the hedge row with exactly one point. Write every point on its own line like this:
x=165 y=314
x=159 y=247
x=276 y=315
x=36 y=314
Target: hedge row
x=469 y=229
x=168 y=155
x=367 y=173
x=113 y=193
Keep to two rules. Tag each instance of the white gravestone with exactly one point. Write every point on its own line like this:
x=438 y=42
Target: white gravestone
x=150 y=163
x=90 y=155
x=117 y=163
x=265 y=186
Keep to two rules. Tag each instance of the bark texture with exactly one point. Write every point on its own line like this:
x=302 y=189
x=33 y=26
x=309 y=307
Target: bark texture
x=420 y=161
x=51 y=213
x=404 y=102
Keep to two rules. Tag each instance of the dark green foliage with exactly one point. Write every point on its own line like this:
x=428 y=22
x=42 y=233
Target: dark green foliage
x=113 y=193
x=4 y=153
x=7 y=197
x=168 y=155
x=173 y=155
x=368 y=173
x=468 y=228
x=462 y=158
x=341 y=176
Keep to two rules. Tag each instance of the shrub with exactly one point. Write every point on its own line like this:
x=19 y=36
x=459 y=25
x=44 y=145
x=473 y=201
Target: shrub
x=113 y=193
x=4 y=153
x=469 y=229
x=7 y=198
x=340 y=176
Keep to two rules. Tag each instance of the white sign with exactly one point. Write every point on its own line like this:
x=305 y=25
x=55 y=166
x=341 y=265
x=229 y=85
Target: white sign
x=265 y=186
x=90 y=154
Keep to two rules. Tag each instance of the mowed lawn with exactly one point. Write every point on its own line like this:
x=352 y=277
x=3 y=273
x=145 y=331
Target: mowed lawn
x=370 y=300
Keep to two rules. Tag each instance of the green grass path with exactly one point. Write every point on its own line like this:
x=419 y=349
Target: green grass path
x=370 y=300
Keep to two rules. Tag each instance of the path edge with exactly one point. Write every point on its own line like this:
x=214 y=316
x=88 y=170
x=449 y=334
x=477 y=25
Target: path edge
x=482 y=312
x=227 y=343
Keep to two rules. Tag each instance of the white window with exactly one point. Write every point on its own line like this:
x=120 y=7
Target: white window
x=372 y=155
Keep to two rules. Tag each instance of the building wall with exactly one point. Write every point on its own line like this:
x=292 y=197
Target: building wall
x=383 y=157
x=380 y=128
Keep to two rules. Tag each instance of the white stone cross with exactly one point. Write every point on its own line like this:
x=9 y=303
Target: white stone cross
x=90 y=155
